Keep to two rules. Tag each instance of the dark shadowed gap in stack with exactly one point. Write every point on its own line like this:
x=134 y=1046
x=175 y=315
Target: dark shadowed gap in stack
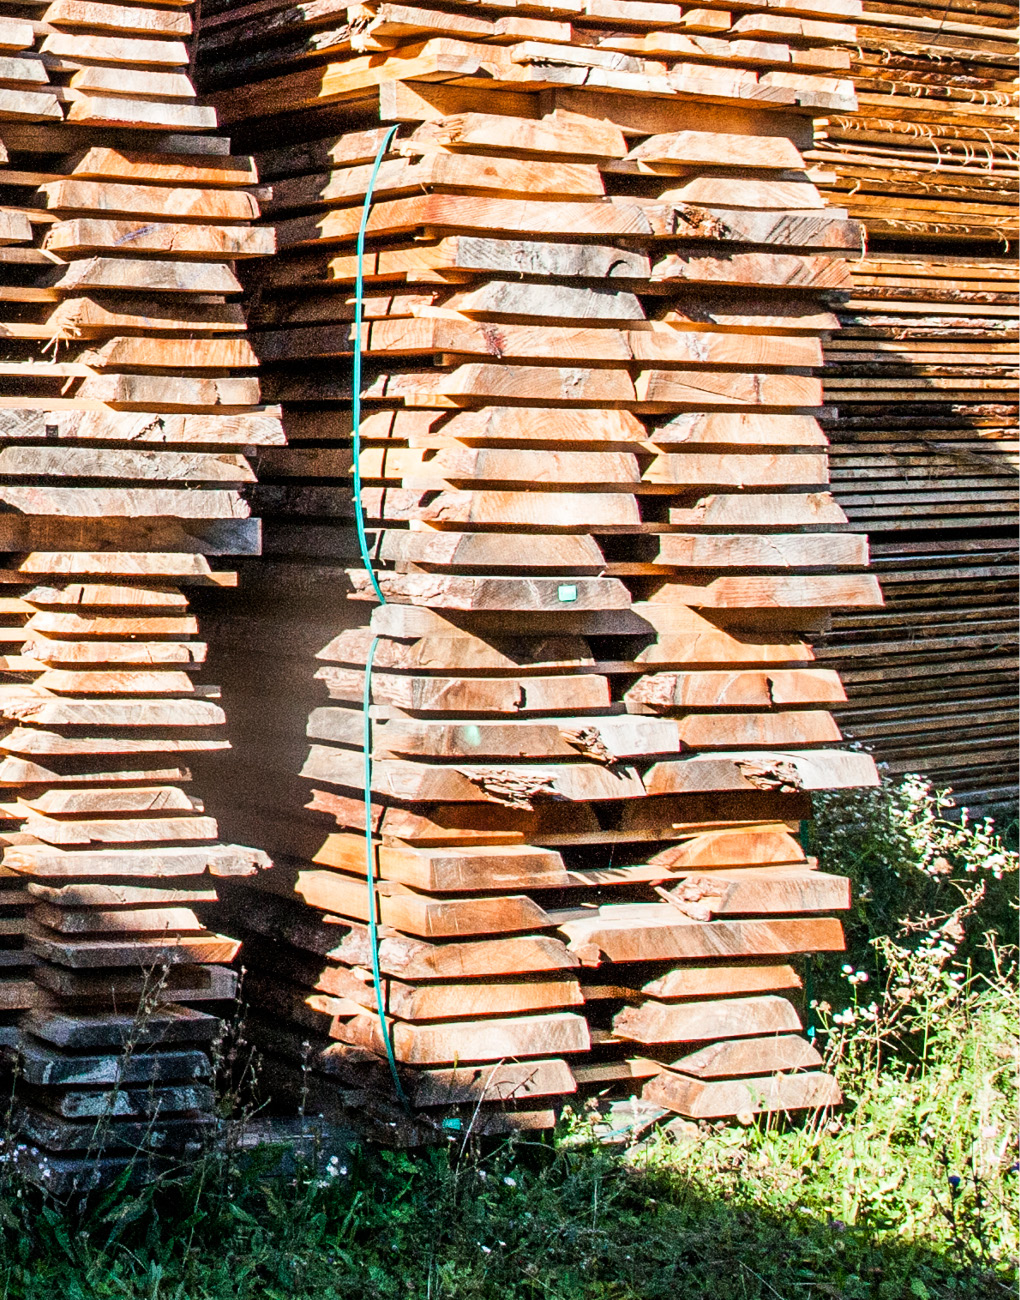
x=922 y=391
x=597 y=274
x=127 y=400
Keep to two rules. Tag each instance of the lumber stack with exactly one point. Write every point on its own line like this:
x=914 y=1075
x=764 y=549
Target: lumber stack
x=128 y=398
x=931 y=149
x=921 y=388
x=595 y=492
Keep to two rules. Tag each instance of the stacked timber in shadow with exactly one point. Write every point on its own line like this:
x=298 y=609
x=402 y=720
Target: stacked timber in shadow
x=595 y=491
x=126 y=401
x=921 y=383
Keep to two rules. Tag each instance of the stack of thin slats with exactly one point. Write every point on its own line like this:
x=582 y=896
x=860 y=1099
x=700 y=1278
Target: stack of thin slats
x=922 y=390
x=923 y=422
x=932 y=149
x=595 y=495
x=127 y=398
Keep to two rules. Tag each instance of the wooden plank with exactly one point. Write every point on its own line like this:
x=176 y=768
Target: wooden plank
x=704 y=981
x=487 y=1040
x=179 y=201
x=667 y=691
x=455 y=870
x=476 y=253
x=532 y=694
x=661 y=933
x=117 y=18
x=702 y=1100
x=411 y=782
x=218 y=859
x=106 y=163
x=506 y=1082
x=89 y=235
x=412 y=913
x=749 y=1056
x=143 y=275
x=95 y=954
x=452 y=1001
x=678 y=1022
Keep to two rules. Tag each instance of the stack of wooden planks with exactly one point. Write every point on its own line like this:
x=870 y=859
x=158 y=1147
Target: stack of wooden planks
x=596 y=506
x=127 y=400
x=921 y=388
x=932 y=148
x=922 y=382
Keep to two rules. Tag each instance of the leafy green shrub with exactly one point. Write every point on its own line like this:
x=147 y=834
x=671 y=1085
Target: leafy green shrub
x=912 y=865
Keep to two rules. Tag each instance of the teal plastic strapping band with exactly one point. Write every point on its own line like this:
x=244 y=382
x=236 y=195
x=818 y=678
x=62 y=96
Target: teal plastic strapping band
x=359 y=306
x=359 y=519
x=373 y=901
x=809 y=1014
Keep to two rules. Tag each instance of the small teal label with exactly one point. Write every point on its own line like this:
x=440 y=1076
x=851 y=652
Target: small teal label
x=567 y=592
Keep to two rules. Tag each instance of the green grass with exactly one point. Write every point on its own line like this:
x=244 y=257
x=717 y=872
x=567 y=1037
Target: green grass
x=908 y=1192
x=861 y=1207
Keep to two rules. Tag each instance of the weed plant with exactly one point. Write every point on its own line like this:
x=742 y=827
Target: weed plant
x=910 y=855
x=907 y=1193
